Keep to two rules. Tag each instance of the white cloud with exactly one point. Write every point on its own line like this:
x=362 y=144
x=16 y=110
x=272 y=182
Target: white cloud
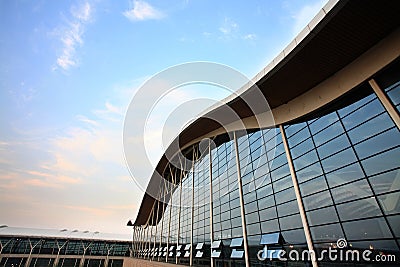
x=250 y=36
x=228 y=27
x=306 y=14
x=71 y=36
x=143 y=11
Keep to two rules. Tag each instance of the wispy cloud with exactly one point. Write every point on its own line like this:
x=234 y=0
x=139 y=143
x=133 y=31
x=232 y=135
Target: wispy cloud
x=306 y=14
x=142 y=10
x=71 y=36
x=228 y=27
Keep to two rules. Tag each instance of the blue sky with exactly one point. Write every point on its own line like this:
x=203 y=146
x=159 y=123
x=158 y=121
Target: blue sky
x=68 y=71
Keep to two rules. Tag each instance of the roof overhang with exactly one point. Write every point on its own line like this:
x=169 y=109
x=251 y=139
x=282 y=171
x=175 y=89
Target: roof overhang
x=339 y=34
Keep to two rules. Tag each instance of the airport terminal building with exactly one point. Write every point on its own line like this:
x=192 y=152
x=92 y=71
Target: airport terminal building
x=25 y=247
x=327 y=170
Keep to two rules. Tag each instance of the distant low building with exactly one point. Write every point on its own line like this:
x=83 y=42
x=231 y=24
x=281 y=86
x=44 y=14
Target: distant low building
x=26 y=247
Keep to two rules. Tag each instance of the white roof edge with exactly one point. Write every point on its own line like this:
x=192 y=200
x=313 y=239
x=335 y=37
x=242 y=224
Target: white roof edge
x=61 y=234
x=307 y=30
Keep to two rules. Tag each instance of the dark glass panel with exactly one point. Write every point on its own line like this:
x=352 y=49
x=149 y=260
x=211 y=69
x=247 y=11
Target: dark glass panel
x=394 y=222
x=358 y=209
x=351 y=191
x=290 y=222
x=326 y=233
x=322 y=216
x=318 y=200
x=367 y=229
x=294 y=236
x=390 y=203
x=268 y=214
x=288 y=208
x=269 y=226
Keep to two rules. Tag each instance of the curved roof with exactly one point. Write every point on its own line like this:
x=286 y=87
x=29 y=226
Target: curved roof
x=340 y=33
x=6 y=231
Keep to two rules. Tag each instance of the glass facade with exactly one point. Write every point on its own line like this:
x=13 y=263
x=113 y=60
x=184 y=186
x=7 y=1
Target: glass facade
x=345 y=162
x=39 y=252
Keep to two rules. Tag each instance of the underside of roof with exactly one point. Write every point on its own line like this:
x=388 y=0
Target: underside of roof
x=346 y=31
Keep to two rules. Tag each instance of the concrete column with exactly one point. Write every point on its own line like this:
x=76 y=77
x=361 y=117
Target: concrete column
x=192 y=212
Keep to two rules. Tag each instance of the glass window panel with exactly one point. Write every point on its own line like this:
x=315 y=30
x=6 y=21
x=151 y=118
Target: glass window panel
x=299 y=137
x=283 y=183
x=326 y=233
x=318 y=200
x=285 y=196
x=269 y=226
x=340 y=159
x=385 y=161
x=386 y=182
x=351 y=191
x=288 y=208
x=301 y=148
x=390 y=203
x=350 y=108
x=322 y=216
x=323 y=122
x=376 y=244
x=368 y=129
x=309 y=172
x=394 y=222
x=313 y=186
x=367 y=229
x=280 y=172
x=294 y=236
x=253 y=229
x=363 y=114
x=290 y=222
x=344 y=175
x=266 y=202
x=252 y=218
x=393 y=93
x=333 y=146
x=378 y=143
x=328 y=133
x=362 y=208
x=294 y=128
x=305 y=160
x=264 y=191
x=267 y=214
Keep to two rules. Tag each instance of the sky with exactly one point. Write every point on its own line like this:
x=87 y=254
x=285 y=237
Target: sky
x=68 y=72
